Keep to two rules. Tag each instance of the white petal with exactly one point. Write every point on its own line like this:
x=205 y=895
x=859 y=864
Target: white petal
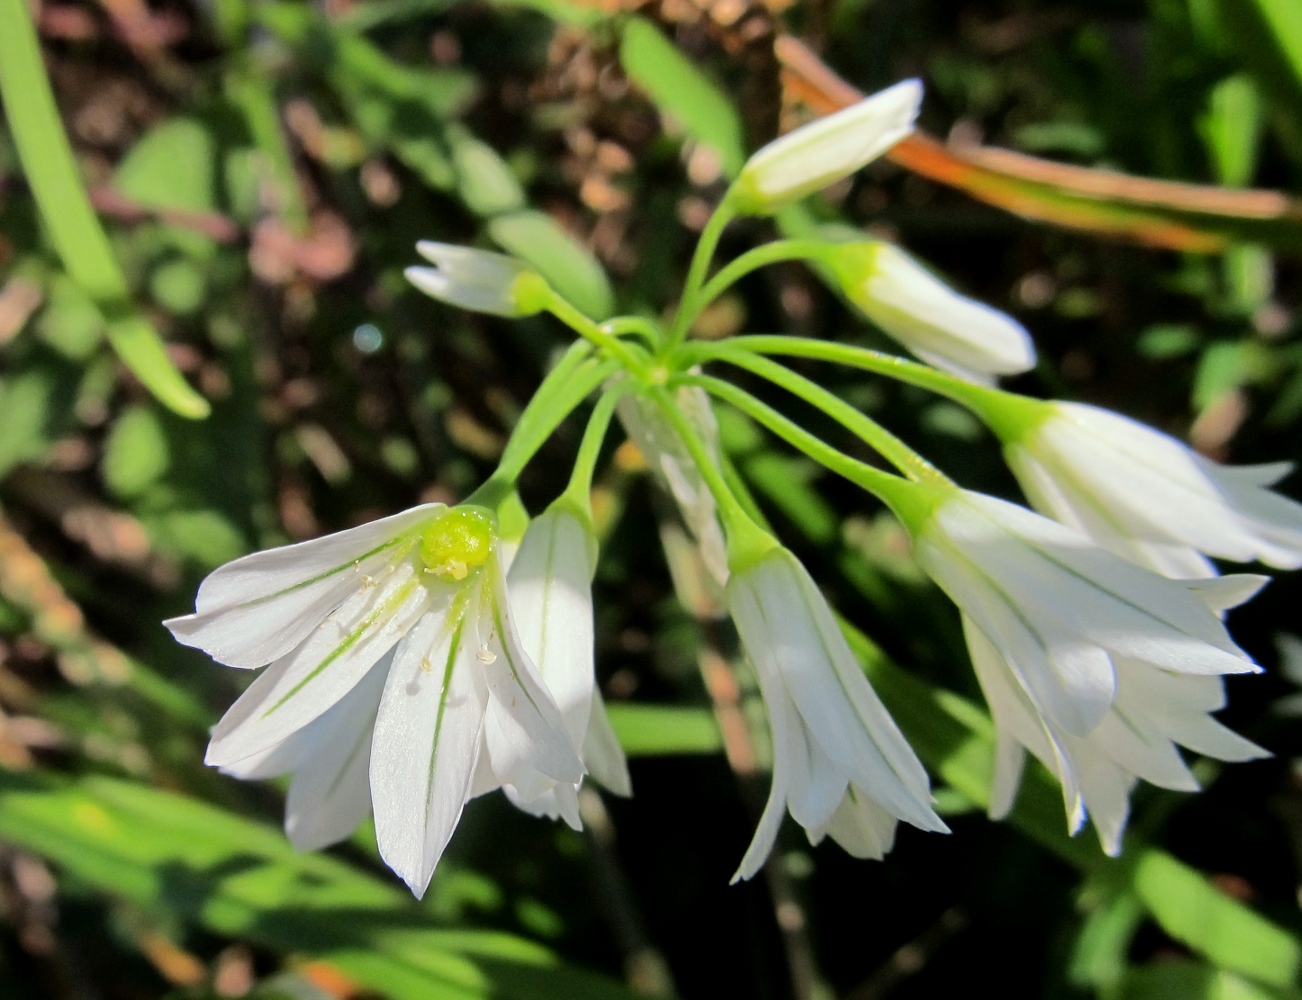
x=259 y=607
x=469 y=278
x=862 y=827
x=1106 y=790
x=822 y=152
x=526 y=734
x=1275 y=520
x=602 y=752
x=427 y=740
x=935 y=322
x=789 y=633
x=302 y=685
x=330 y=793
x=560 y=801
x=551 y=605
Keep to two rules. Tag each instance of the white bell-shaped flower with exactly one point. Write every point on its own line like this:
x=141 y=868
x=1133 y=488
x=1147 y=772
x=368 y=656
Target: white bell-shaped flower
x=1153 y=712
x=1146 y=496
x=415 y=605
x=840 y=764
x=479 y=280
x=1061 y=610
x=550 y=587
x=816 y=155
x=929 y=318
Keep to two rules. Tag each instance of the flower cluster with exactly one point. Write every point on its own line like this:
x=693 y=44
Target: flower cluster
x=412 y=664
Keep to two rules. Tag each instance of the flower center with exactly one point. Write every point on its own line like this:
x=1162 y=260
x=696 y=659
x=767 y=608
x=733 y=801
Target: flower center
x=459 y=541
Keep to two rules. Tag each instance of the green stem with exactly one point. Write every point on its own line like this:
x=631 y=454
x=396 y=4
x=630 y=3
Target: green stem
x=1005 y=413
x=747 y=541
x=562 y=390
x=632 y=359
x=648 y=329
x=701 y=257
x=891 y=448
x=890 y=488
x=761 y=256
x=579 y=490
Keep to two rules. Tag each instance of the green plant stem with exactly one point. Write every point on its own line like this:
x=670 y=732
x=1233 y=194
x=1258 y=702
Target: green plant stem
x=870 y=431
x=1006 y=413
x=65 y=208
x=579 y=490
x=701 y=257
x=884 y=485
x=632 y=359
x=751 y=260
x=565 y=386
x=648 y=329
x=746 y=539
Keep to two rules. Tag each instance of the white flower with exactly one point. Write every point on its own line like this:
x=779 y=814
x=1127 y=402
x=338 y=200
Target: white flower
x=673 y=466
x=1152 y=712
x=425 y=586
x=933 y=321
x=821 y=153
x=1150 y=498
x=551 y=603
x=1060 y=609
x=478 y=279
x=840 y=764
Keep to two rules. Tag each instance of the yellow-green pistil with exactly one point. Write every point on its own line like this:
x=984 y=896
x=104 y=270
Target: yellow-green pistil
x=457 y=542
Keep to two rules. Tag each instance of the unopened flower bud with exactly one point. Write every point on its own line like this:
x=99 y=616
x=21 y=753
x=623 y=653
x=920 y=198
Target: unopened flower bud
x=478 y=280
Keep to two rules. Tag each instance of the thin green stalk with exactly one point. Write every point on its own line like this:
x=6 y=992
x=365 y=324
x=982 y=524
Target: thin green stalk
x=747 y=541
x=701 y=257
x=887 y=444
x=1004 y=412
x=632 y=359
x=885 y=485
x=76 y=233
x=559 y=394
x=751 y=260
x=648 y=329
x=579 y=490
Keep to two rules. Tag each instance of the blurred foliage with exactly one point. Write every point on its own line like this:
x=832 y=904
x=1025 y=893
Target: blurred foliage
x=224 y=230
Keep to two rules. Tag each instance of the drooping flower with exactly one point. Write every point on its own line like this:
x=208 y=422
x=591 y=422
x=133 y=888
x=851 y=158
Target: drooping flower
x=1154 y=711
x=933 y=321
x=840 y=764
x=1061 y=608
x=816 y=155
x=1093 y=663
x=1150 y=498
x=479 y=280
x=550 y=587
x=421 y=597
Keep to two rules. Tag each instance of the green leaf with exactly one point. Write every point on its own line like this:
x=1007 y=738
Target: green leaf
x=658 y=730
x=1267 y=34
x=170 y=167
x=136 y=452
x=242 y=879
x=1232 y=128
x=682 y=91
x=538 y=240
x=25 y=416
x=1184 y=980
x=65 y=209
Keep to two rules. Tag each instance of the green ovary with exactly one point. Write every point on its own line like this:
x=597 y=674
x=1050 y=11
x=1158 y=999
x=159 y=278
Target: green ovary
x=457 y=543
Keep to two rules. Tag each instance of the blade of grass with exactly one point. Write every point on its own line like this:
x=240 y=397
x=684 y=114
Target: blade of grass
x=75 y=231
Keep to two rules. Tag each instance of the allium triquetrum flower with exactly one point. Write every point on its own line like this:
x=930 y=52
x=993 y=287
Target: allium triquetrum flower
x=933 y=321
x=840 y=764
x=816 y=155
x=479 y=280
x=550 y=587
x=1150 y=498
x=1088 y=660
x=427 y=586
